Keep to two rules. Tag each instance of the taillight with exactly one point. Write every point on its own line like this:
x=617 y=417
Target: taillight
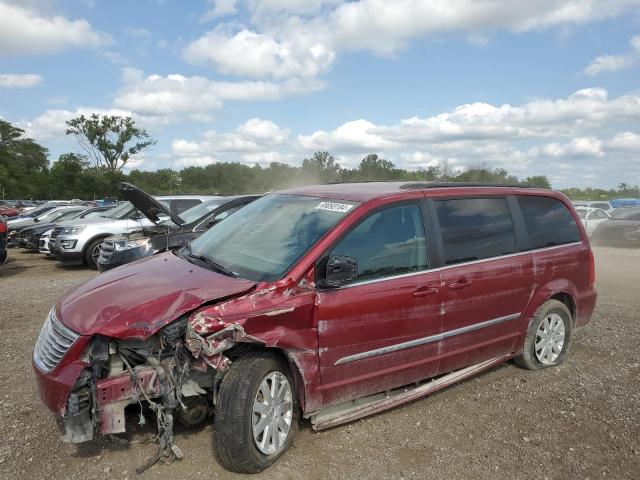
x=592 y=269
x=3 y=227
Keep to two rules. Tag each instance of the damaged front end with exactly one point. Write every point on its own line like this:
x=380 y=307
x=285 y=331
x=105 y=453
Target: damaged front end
x=159 y=372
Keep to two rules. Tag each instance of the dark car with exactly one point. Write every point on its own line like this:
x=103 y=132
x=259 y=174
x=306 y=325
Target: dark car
x=621 y=230
x=324 y=302
x=170 y=234
x=29 y=237
x=3 y=239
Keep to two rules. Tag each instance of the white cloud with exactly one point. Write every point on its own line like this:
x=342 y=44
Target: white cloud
x=252 y=142
x=258 y=55
x=175 y=94
x=614 y=63
x=303 y=37
x=219 y=8
x=19 y=80
x=24 y=31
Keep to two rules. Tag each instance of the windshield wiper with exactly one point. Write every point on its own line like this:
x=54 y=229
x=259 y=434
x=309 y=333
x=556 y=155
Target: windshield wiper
x=216 y=266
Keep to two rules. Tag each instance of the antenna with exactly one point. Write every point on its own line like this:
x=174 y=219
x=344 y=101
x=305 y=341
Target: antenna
x=170 y=187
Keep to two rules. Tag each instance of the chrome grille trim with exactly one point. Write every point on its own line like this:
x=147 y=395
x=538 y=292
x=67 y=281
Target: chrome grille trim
x=53 y=343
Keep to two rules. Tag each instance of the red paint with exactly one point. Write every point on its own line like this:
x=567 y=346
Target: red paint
x=314 y=328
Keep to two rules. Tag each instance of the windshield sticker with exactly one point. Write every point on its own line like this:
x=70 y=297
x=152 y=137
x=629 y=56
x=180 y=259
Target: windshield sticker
x=334 y=207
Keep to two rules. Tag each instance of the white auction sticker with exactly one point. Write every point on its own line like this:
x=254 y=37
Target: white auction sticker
x=334 y=207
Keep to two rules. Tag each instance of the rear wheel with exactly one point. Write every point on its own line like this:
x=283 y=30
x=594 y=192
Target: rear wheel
x=256 y=417
x=548 y=338
x=92 y=253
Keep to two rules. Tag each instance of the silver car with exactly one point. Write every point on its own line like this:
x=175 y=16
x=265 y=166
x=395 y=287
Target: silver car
x=78 y=242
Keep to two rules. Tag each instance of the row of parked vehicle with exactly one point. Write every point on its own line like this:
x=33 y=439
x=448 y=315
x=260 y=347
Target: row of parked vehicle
x=615 y=223
x=105 y=237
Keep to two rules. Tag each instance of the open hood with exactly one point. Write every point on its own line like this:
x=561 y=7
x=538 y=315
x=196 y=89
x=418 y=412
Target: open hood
x=148 y=205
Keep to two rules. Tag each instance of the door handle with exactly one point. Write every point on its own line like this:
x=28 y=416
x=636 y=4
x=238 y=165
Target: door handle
x=459 y=284
x=425 y=292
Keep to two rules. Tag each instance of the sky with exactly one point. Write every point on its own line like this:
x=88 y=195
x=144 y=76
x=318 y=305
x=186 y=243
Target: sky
x=538 y=87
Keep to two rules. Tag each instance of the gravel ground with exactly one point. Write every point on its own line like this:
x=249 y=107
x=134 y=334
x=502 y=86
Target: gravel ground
x=581 y=420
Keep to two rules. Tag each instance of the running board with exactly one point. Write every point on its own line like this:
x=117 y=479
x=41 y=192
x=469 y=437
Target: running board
x=362 y=407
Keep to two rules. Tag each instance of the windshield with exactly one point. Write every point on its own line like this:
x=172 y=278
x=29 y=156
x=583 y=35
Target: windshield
x=626 y=214
x=119 y=211
x=264 y=239
x=200 y=210
x=70 y=215
x=581 y=213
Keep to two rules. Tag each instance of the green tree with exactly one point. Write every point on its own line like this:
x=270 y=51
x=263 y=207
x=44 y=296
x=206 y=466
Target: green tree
x=322 y=167
x=540 y=181
x=23 y=164
x=373 y=167
x=109 y=140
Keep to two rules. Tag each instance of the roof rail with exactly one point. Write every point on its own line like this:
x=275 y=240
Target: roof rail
x=417 y=185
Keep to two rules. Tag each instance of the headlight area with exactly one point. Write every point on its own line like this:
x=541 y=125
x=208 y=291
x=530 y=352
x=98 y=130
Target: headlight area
x=129 y=244
x=160 y=372
x=73 y=230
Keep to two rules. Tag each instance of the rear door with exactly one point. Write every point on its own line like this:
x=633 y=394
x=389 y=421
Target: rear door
x=381 y=330
x=487 y=281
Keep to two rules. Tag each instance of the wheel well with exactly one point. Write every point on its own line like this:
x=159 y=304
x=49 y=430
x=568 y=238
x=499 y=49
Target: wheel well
x=568 y=301
x=89 y=242
x=294 y=368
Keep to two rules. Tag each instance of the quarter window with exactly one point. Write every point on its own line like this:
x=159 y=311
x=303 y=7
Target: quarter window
x=475 y=228
x=389 y=242
x=548 y=221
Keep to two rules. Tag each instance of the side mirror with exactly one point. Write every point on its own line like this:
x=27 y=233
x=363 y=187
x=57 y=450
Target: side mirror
x=340 y=269
x=36 y=219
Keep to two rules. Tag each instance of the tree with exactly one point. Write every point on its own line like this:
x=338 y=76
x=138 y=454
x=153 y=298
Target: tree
x=373 y=167
x=540 y=181
x=109 y=140
x=23 y=164
x=322 y=166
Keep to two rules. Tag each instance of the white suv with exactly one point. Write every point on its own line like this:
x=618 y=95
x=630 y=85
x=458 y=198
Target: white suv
x=78 y=242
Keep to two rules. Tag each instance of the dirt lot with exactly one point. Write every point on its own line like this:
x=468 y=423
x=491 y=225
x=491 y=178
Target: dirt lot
x=581 y=420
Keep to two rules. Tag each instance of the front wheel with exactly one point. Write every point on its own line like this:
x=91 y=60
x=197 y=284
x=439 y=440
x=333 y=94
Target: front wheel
x=256 y=417
x=548 y=338
x=92 y=253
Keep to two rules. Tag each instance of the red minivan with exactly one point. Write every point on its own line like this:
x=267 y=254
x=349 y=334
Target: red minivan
x=328 y=302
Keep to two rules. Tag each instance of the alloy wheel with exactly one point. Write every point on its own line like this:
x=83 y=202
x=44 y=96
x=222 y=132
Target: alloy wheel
x=550 y=339
x=272 y=413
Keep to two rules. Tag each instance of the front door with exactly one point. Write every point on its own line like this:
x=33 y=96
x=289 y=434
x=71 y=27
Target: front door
x=380 y=330
x=486 y=281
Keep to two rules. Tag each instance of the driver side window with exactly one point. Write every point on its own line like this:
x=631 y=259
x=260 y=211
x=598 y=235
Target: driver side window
x=387 y=243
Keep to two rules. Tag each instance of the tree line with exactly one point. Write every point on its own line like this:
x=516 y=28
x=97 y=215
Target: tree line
x=108 y=144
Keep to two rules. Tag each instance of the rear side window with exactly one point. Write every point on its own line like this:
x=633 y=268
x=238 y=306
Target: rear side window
x=475 y=228
x=548 y=221
x=389 y=242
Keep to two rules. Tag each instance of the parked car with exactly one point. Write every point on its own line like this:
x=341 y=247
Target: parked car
x=3 y=239
x=621 y=230
x=591 y=218
x=43 y=243
x=168 y=235
x=8 y=210
x=325 y=302
x=29 y=237
x=78 y=242
x=602 y=205
x=49 y=216
x=625 y=202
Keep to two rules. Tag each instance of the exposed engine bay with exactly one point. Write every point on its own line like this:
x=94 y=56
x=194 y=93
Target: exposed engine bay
x=159 y=372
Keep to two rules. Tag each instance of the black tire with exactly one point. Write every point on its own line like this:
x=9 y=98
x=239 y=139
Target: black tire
x=529 y=359
x=88 y=258
x=233 y=441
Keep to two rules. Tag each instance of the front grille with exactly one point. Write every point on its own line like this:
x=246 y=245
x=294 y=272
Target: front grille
x=55 y=232
x=53 y=342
